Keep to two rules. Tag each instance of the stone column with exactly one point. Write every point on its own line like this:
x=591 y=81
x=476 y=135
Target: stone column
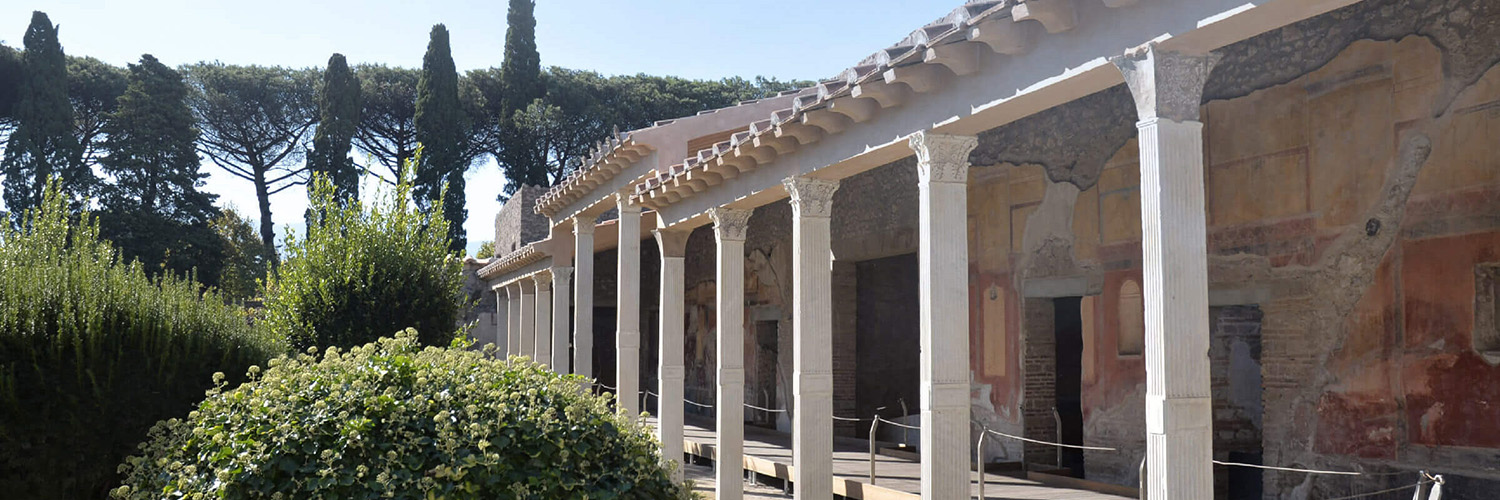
x=812 y=337
x=560 y=318
x=1168 y=90
x=501 y=320
x=628 y=307
x=513 y=319
x=528 y=318
x=943 y=277
x=543 y=345
x=671 y=323
x=583 y=296
x=729 y=442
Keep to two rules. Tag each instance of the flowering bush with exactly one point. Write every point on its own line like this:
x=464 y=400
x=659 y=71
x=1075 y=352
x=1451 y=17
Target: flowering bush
x=393 y=419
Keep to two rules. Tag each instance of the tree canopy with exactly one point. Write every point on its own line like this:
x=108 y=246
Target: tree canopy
x=338 y=120
x=443 y=132
x=254 y=121
x=42 y=144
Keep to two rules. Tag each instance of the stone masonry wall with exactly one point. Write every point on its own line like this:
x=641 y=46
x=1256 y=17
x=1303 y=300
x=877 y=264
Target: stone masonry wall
x=517 y=223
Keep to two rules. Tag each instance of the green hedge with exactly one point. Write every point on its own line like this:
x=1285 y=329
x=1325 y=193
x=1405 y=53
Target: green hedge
x=366 y=270
x=93 y=353
x=392 y=419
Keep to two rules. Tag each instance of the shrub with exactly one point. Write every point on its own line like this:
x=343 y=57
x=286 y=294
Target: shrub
x=365 y=271
x=93 y=352
x=391 y=419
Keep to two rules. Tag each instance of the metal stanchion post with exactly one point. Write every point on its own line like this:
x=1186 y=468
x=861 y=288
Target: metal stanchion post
x=874 y=424
x=979 y=460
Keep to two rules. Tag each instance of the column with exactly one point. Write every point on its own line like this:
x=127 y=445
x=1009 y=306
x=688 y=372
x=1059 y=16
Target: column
x=527 y=331
x=513 y=319
x=943 y=277
x=812 y=337
x=502 y=320
x=729 y=442
x=560 y=318
x=543 y=345
x=672 y=322
x=628 y=307
x=1168 y=89
x=583 y=296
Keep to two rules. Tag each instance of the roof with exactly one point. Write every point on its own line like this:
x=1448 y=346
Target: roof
x=919 y=62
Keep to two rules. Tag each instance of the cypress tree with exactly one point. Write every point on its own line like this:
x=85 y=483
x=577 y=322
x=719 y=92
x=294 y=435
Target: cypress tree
x=520 y=83
x=42 y=145
x=442 y=131
x=338 y=120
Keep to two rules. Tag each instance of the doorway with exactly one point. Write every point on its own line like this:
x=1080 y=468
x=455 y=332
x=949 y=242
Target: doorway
x=1235 y=377
x=1068 y=326
x=764 y=383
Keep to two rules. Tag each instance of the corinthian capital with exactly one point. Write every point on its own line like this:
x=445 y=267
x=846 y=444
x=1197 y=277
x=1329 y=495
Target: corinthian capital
x=730 y=223
x=811 y=197
x=622 y=201
x=941 y=157
x=1165 y=83
x=543 y=280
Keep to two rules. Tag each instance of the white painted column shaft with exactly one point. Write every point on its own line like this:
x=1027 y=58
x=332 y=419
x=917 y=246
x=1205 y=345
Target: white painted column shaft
x=528 y=319
x=561 y=316
x=543 y=346
x=671 y=323
x=943 y=277
x=1168 y=87
x=812 y=337
x=583 y=296
x=513 y=320
x=628 y=309
x=502 y=320
x=729 y=442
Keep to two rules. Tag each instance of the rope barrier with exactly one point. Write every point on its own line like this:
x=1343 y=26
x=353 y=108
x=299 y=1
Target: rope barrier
x=767 y=410
x=847 y=419
x=1290 y=469
x=1049 y=443
x=898 y=424
x=1419 y=484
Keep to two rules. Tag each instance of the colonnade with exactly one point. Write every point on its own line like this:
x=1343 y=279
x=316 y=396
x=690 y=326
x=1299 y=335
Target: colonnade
x=1167 y=87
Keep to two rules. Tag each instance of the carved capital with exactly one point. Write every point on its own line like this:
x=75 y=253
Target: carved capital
x=583 y=225
x=730 y=223
x=942 y=158
x=672 y=243
x=622 y=202
x=543 y=281
x=811 y=197
x=1166 y=84
x=560 y=275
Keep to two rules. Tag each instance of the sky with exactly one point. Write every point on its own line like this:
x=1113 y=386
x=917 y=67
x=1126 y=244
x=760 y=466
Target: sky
x=704 y=39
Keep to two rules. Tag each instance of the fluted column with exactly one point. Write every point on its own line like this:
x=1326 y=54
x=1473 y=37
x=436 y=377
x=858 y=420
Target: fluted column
x=628 y=309
x=513 y=319
x=1168 y=90
x=543 y=346
x=560 y=318
x=583 y=296
x=671 y=323
x=812 y=337
x=528 y=318
x=501 y=320
x=943 y=277
x=729 y=442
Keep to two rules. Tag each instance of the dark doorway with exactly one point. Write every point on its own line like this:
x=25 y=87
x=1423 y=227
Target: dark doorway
x=887 y=339
x=604 y=345
x=1068 y=325
x=1235 y=376
x=766 y=359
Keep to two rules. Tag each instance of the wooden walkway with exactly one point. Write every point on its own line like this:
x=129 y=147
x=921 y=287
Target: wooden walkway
x=770 y=453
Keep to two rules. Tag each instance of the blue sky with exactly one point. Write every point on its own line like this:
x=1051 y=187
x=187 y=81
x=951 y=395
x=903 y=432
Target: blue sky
x=804 y=39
